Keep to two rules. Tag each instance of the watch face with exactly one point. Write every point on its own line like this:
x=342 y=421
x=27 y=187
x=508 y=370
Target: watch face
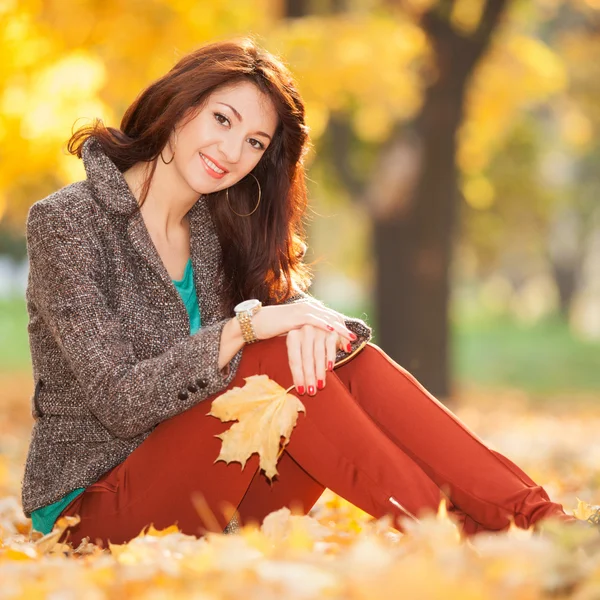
x=247 y=305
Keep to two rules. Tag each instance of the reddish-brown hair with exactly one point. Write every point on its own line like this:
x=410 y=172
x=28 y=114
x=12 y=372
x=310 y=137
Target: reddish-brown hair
x=262 y=253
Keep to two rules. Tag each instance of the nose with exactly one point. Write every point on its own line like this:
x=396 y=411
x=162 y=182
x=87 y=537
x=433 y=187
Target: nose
x=230 y=149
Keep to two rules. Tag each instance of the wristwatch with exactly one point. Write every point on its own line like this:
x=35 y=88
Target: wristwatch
x=244 y=312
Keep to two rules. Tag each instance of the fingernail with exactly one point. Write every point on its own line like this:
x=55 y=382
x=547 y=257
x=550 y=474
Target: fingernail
x=330 y=365
x=353 y=336
x=320 y=385
x=301 y=389
x=311 y=390
x=348 y=348
x=330 y=327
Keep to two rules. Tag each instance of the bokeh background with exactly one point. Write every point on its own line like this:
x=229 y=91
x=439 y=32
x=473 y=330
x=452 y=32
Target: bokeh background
x=454 y=178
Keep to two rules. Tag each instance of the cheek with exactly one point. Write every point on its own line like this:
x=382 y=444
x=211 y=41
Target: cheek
x=197 y=134
x=188 y=163
x=252 y=159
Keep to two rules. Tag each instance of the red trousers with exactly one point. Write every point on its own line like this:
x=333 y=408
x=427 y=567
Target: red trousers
x=374 y=435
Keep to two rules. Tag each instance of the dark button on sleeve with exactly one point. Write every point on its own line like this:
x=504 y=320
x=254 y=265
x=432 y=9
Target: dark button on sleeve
x=182 y=395
x=192 y=387
x=202 y=383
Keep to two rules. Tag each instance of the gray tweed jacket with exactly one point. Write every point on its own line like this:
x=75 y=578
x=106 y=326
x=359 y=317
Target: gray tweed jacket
x=109 y=334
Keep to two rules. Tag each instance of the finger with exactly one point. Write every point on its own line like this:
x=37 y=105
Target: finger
x=294 y=348
x=340 y=319
x=320 y=355
x=329 y=324
x=345 y=344
x=308 y=358
x=331 y=349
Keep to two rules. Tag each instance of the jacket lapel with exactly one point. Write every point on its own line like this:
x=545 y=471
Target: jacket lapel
x=205 y=252
x=110 y=189
x=144 y=246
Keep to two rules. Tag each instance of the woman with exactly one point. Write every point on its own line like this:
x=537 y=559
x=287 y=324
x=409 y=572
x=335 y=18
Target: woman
x=174 y=271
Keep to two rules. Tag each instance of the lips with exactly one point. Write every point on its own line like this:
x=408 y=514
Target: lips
x=216 y=163
x=209 y=170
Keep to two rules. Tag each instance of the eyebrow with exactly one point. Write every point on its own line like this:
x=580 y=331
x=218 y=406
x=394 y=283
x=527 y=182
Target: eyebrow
x=237 y=114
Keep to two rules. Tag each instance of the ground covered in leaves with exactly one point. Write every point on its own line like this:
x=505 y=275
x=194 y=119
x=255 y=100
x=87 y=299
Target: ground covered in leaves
x=336 y=551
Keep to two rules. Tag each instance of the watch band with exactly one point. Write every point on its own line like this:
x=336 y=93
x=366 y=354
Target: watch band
x=245 y=320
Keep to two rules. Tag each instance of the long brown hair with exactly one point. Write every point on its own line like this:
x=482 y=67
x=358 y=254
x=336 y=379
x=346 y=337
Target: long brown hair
x=262 y=253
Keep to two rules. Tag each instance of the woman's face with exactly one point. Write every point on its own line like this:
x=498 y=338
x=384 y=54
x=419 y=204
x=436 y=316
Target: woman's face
x=233 y=131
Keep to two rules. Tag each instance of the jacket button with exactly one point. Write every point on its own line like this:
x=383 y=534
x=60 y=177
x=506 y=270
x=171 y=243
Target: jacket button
x=182 y=395
x=192 y=388
x=202 y=383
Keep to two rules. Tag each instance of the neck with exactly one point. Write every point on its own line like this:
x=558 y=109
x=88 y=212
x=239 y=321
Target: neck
x=168 y=201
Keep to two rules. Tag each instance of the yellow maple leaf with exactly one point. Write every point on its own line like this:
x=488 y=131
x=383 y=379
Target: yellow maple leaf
x=265 y=412
x=584 y=510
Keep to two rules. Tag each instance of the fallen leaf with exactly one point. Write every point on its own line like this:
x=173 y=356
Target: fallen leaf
x=265 y=412
x=46 y=544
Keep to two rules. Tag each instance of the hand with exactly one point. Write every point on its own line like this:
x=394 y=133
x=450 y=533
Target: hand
x=311 y=352
x=341 y=342
x=280 y=319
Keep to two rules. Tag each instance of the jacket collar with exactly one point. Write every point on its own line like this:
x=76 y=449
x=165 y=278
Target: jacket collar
x=111 y=191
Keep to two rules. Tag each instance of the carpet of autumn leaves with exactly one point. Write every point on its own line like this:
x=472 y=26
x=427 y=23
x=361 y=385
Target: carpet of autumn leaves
x=337 y=551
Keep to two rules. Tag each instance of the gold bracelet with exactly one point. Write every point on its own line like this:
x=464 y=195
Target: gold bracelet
x=248 y=333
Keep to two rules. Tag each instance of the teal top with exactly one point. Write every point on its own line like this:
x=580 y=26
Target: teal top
x=43 y=519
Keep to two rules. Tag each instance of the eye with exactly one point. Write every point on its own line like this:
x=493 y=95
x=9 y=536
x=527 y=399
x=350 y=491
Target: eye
x=222 y=116
x=219 y=116
x=260 y=146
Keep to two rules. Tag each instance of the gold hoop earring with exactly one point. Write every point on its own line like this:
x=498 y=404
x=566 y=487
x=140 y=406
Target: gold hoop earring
x=172 y=157
x=167 y=163
x=259 y=194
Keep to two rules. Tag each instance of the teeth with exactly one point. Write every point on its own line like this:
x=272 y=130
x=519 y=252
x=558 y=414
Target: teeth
x=211 y=164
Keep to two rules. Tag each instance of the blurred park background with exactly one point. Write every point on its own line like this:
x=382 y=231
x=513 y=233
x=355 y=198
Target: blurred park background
x=454 y=188
x=453 y=181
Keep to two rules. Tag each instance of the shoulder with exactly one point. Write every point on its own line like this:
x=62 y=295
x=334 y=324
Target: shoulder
x=72 y=208
x=68 y=214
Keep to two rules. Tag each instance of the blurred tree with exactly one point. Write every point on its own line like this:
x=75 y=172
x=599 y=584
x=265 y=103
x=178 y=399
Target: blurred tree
x=413 y=195
x=570 y=167
x=406 y=107
x=531 y=202
x=413 y=244
x=415 y=158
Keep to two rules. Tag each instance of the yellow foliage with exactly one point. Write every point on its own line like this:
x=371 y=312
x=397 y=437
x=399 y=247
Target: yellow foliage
x=466 y=15
x=478 y=192
x=62 y=65
x=535 y=73
x=336 y=549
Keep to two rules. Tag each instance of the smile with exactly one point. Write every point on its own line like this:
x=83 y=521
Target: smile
x=211 y=168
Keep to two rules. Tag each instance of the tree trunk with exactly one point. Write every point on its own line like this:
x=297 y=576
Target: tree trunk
x=413 y=240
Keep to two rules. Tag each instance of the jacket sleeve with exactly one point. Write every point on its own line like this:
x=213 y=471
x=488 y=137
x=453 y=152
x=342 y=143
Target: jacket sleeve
x=358 y=326
x=128 y=396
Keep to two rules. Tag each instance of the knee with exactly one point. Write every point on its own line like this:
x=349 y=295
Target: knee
x=367 y=354
x=373 y=352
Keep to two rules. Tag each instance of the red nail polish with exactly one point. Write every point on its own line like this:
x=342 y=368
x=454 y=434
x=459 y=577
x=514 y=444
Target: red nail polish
x=301 y=389
x=311 y=389
x=353 y=335
x=348 y=348
x=330 y=365
x=320 y=385
x=330 y=327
